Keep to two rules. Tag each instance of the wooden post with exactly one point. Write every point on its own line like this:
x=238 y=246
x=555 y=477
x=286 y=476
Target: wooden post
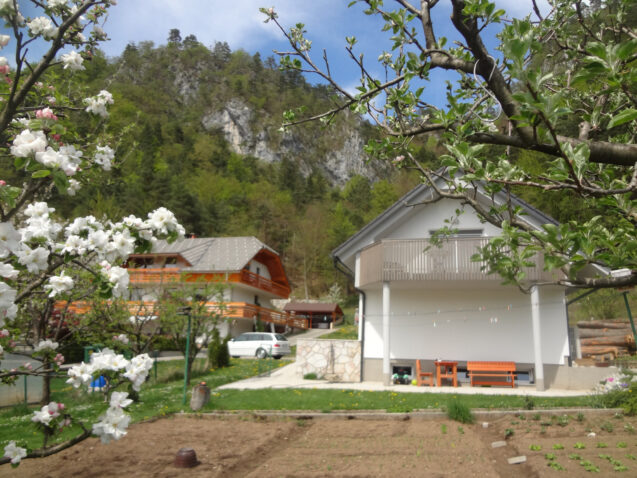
x=537 y=338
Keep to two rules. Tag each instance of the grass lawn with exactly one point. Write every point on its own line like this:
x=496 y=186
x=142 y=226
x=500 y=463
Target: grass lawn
x=163 y=396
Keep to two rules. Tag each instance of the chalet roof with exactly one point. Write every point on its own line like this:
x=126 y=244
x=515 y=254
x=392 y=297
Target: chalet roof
x=421 y=192
x=208 y=254
x=314 y=307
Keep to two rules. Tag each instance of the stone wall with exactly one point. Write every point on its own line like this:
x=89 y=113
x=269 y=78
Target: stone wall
x=334 y=360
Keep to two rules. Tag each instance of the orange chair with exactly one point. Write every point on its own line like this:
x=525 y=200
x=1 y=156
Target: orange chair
x=423 y=378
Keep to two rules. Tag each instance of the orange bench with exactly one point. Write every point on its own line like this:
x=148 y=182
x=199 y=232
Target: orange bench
x=423 y=378
x=493 y=370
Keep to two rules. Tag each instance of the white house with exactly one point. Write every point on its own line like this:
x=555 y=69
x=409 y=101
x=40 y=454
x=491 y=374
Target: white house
x=435 y=303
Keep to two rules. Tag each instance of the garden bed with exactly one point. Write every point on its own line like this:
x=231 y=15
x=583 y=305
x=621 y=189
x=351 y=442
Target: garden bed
x=247 y=445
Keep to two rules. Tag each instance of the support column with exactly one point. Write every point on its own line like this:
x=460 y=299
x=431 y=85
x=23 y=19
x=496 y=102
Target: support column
x=386 y=309
x=360 y=316
x=537 y=339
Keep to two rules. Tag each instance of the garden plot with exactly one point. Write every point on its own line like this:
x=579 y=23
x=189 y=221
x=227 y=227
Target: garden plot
x=399 y=445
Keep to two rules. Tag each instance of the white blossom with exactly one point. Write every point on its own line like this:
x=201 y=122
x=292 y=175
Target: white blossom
x=118 y=277
x=73 y=61
x=28 y=143
x=112 y=425
x=8 y=271
x=163 y=221
x=80 y=374
x=7 y=296
x=46 y=345
x=59 y=284
x=34 y=259
x=4 y=40
x=16 y=453
x=57 y=3
x=97 y=104
x=46 y=414
x=104 y=156
x=120 y=400
x=44 y=26
x=74 y=187
x=9 y=239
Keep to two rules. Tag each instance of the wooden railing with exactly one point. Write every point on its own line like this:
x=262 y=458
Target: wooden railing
x=260 y=282
x=235 y=310
x=417 y=259
x=167 y=276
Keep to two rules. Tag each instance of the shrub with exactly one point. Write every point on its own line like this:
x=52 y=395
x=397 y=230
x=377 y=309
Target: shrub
x=459 y=412
x=218 y=355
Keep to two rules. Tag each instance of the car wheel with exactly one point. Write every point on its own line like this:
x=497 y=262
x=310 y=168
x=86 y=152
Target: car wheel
x=234 y=356
x=261 y=354
x=276 y=357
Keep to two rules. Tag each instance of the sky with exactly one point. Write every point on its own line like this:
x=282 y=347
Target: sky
x=241 y=25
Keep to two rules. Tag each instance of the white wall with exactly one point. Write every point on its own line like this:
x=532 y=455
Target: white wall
x=427 y=217
x=464 y=324
x=263 y=269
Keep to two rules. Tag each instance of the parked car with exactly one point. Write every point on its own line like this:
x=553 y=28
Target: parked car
x=259 y=344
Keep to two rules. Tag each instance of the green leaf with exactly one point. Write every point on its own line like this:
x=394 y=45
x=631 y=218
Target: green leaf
x=42 y=173
x=625 y=116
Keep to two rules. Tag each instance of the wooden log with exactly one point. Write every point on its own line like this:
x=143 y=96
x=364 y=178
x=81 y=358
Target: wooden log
x=591 y=350
x=588 y=333
x=602 y=324
x=620 y=340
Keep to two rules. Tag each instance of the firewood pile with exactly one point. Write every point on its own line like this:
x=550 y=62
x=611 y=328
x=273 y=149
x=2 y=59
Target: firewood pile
x=604 y=340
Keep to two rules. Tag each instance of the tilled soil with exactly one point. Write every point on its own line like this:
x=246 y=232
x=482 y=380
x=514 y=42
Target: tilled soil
x=388 y=446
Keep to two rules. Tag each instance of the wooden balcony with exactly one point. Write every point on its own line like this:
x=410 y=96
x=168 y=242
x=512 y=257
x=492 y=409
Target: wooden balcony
x=419 y=260
x=233 y=310
x=174 y=275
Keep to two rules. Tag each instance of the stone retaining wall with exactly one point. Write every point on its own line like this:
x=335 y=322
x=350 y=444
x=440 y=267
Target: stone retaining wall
x=334 y=360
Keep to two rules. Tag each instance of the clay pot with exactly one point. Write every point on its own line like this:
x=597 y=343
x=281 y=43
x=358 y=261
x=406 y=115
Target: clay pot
x=186 y=458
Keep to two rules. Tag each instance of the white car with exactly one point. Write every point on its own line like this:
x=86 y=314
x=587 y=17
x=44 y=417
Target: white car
x=259 y=345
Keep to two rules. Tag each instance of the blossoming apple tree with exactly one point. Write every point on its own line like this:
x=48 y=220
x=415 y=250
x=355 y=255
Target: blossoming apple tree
x=46 y=258
x=549 y=107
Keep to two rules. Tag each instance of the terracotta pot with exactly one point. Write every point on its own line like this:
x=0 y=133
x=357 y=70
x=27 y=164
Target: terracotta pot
x=186 y=458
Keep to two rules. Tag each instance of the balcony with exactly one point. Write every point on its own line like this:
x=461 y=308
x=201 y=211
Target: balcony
x=173 y=275
x=233 y=310
x=419 y=260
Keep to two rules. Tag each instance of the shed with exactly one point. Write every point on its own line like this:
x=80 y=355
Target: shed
x=321 y=315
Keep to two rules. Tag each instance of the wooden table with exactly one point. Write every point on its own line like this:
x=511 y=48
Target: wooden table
x=446 y=369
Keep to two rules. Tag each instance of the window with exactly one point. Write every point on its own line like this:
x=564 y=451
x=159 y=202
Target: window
x=462 y=232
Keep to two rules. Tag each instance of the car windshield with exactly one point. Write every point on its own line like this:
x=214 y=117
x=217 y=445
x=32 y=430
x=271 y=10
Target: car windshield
x=280 y=337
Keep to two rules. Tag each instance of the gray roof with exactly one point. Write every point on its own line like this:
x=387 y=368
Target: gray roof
x=207 y=254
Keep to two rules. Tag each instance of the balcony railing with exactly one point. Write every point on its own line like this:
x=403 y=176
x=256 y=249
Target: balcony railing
x=418 y=259
x=235 y=310
x=167 y=276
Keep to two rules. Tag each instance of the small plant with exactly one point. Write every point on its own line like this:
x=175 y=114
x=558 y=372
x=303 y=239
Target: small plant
x=514 y=422
x=563 y=420
x=543 y=431
x=558 y=446
x=601 y=444
x=579 y=445
x=550 y=456
x=461 y=430
x=529 y=403
x=556 y=466
x=458 y=411
x=607 y=427
x=631 y=457
x=521 y=417
x=589 y=466
x=622 y=444
x=443 y=429
x=508 y=433
x=575 y=456
x=618 y=416
x=629 y=428
x=580 y=417
x=535 y=447
x=620 y=467
x=536 y=417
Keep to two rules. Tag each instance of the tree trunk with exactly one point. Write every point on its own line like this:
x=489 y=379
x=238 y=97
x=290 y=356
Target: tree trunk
x=46 y=386
x=602 y=324
x=616 y=351
x=589 y=333
x=620 y=340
